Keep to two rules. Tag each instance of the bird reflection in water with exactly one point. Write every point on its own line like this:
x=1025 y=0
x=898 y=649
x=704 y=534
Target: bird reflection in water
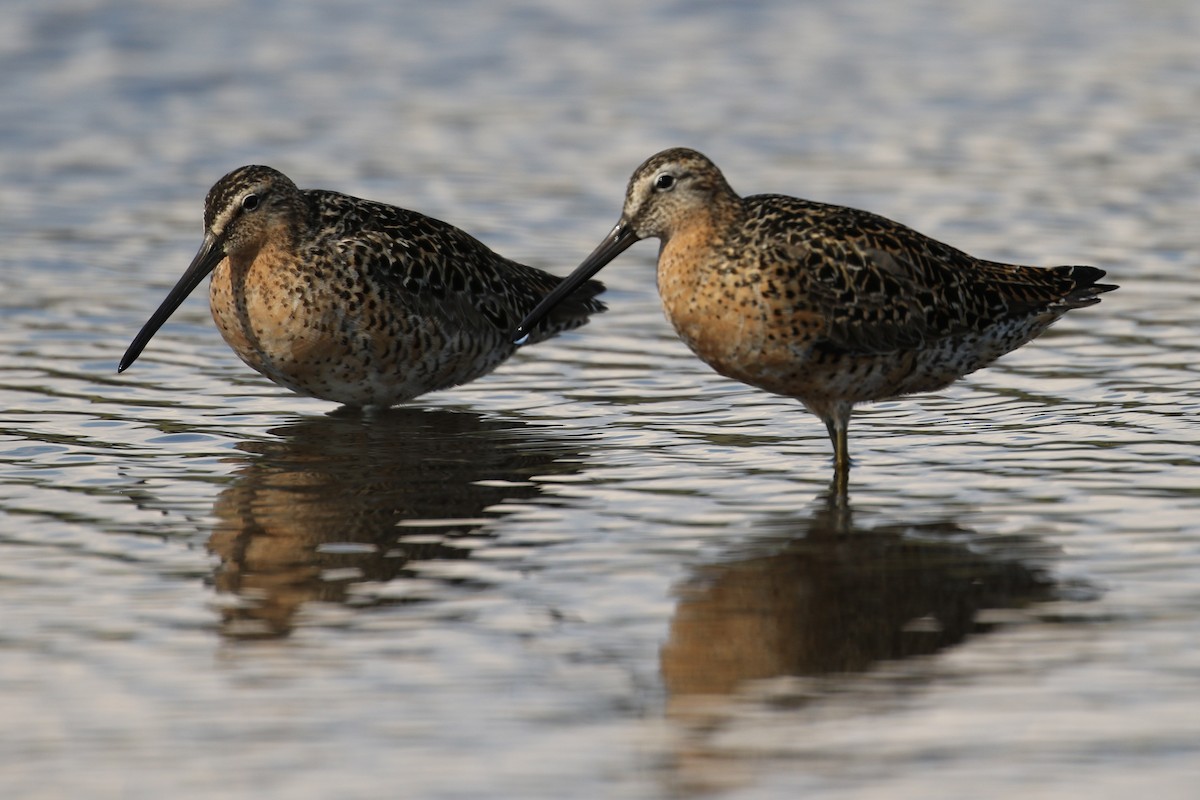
x=822 y=599
x=332 y=502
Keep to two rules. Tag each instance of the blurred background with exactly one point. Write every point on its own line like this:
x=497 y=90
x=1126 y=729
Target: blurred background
x=603 y=570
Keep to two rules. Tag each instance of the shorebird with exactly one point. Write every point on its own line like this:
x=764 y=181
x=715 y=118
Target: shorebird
x=826 y=304
x=354 y=301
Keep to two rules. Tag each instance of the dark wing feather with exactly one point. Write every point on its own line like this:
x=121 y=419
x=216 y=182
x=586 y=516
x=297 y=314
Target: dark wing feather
x=443 y=271
x=881 y=286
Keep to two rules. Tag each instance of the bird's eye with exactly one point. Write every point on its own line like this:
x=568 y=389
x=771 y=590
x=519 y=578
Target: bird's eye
x=665 y=182
x=250 y=202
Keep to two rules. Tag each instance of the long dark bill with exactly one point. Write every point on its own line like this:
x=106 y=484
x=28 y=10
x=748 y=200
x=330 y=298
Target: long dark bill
x=206 y=260
x=618 y=241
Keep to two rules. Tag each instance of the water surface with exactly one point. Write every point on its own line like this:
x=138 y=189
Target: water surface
x=602 y=571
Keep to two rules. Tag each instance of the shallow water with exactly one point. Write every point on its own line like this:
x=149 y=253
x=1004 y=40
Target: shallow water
x=602 y=571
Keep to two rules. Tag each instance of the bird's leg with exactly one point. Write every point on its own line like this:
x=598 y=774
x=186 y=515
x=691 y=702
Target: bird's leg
x=838 y=423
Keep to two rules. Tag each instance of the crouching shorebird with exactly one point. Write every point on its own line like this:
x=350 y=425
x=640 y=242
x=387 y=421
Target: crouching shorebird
x=829 y=305
x=353 y=301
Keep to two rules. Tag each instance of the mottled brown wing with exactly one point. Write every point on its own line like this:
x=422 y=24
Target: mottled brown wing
x=443 y=272
x=882 y=286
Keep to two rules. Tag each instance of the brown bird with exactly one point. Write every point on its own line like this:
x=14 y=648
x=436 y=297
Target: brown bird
x=358 y=302
x=829 y=305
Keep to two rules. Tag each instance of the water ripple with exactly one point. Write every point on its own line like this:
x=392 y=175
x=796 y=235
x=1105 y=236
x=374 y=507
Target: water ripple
x=602 y=570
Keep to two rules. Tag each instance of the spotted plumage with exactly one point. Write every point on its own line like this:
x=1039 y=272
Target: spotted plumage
x=354 y=301
x=829 y=305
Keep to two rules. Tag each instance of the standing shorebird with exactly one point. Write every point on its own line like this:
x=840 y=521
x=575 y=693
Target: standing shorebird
x=354 y=301
x=826 y=304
